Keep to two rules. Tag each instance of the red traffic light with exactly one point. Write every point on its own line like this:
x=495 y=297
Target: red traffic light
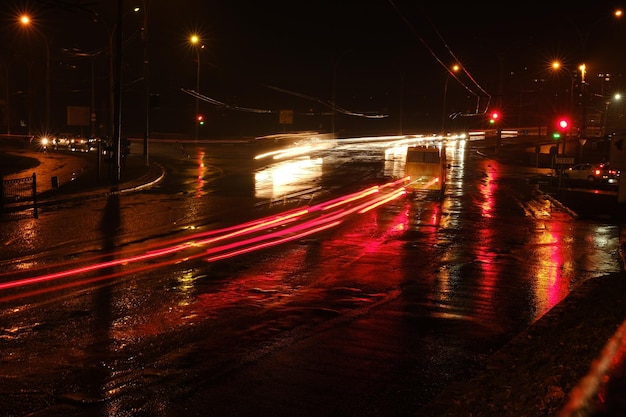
x=562 y=124
x=200 y=117
x=495 y=115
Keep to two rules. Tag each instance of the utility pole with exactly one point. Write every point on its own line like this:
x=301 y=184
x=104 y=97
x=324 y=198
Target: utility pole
x=146 y=78
x=117 y=123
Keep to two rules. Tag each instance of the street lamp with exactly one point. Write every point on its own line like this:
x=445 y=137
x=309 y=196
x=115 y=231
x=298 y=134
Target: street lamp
x=146 y=79
x=556 y=66
x=452 y=70
x=195 y=41
x=616 y=97
x=616 y=14
x=26 y=21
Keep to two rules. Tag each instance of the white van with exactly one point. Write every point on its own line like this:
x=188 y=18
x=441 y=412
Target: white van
x=425 y=167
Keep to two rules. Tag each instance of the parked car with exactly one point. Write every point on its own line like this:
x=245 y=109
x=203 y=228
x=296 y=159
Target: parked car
x=592 y=173
x=80 y=144
x=63 y=141
x=60 y=143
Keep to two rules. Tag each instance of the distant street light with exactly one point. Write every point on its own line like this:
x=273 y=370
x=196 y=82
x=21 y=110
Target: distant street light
x=605 y=116
x=616 y=14
x=26 y=21
x=616 y=97
x=195 y=41
x=452 y=70
x=556 y=66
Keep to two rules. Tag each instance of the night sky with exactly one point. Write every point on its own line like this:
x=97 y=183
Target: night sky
x=374 y=57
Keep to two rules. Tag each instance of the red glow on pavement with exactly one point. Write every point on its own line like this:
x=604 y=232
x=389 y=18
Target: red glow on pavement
x=275 y=242
x=238 y=239
x=383 y=201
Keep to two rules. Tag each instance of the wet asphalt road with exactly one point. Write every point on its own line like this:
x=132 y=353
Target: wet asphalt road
x=375 y=317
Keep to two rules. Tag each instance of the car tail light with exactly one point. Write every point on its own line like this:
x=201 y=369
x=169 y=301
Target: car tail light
x=597 y=172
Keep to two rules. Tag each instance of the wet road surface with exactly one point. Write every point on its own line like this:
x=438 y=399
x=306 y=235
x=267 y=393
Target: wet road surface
x=373 y=317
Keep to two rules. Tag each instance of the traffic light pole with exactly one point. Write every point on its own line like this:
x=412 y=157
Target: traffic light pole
x=561 y=139
x=563 y=126
x=197 y=92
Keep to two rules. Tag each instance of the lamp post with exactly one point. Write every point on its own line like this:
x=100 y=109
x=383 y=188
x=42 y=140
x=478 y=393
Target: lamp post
x=195 y=41
x=146 y=80
x=556 y=66
x=26 y=22
x=616 y=14
x=616 y=97
x=453 y=69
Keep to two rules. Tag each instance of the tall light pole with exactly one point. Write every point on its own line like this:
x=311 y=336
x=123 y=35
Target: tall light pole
x=25 y=21
x=556 y=66
x=146 y=80
x=608 y=102
x=616 y=97
x=195 y=41
x=117 y=94
x=583 y=127
x=453 y=69
x=616 y=14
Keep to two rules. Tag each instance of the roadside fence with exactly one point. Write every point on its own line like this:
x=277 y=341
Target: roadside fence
x=19 y=194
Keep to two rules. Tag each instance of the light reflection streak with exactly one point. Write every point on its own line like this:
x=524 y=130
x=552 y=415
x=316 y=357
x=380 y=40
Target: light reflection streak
x=294 y=151
x=286 y=176
x=304 y=222
x=552 y=284
x=275 y=242
x=201 y=174
x=383 y=201
x=488 y=189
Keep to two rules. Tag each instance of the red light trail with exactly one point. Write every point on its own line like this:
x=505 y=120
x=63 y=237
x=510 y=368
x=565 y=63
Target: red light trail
x=222 y=243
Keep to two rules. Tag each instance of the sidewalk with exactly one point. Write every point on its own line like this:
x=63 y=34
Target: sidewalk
x=63 y=175
x=599 y=302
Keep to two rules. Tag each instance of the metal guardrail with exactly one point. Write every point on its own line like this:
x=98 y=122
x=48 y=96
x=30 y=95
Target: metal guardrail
x=19 y=194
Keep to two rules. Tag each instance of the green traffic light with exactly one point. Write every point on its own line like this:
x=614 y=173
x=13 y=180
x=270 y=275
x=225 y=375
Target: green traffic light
x=556 y=136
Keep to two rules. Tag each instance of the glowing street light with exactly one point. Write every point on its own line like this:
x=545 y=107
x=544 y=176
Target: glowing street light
x=195 y=41
x=26 y=21
x=616 y=97
x=556 y=66
x=452 y=70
